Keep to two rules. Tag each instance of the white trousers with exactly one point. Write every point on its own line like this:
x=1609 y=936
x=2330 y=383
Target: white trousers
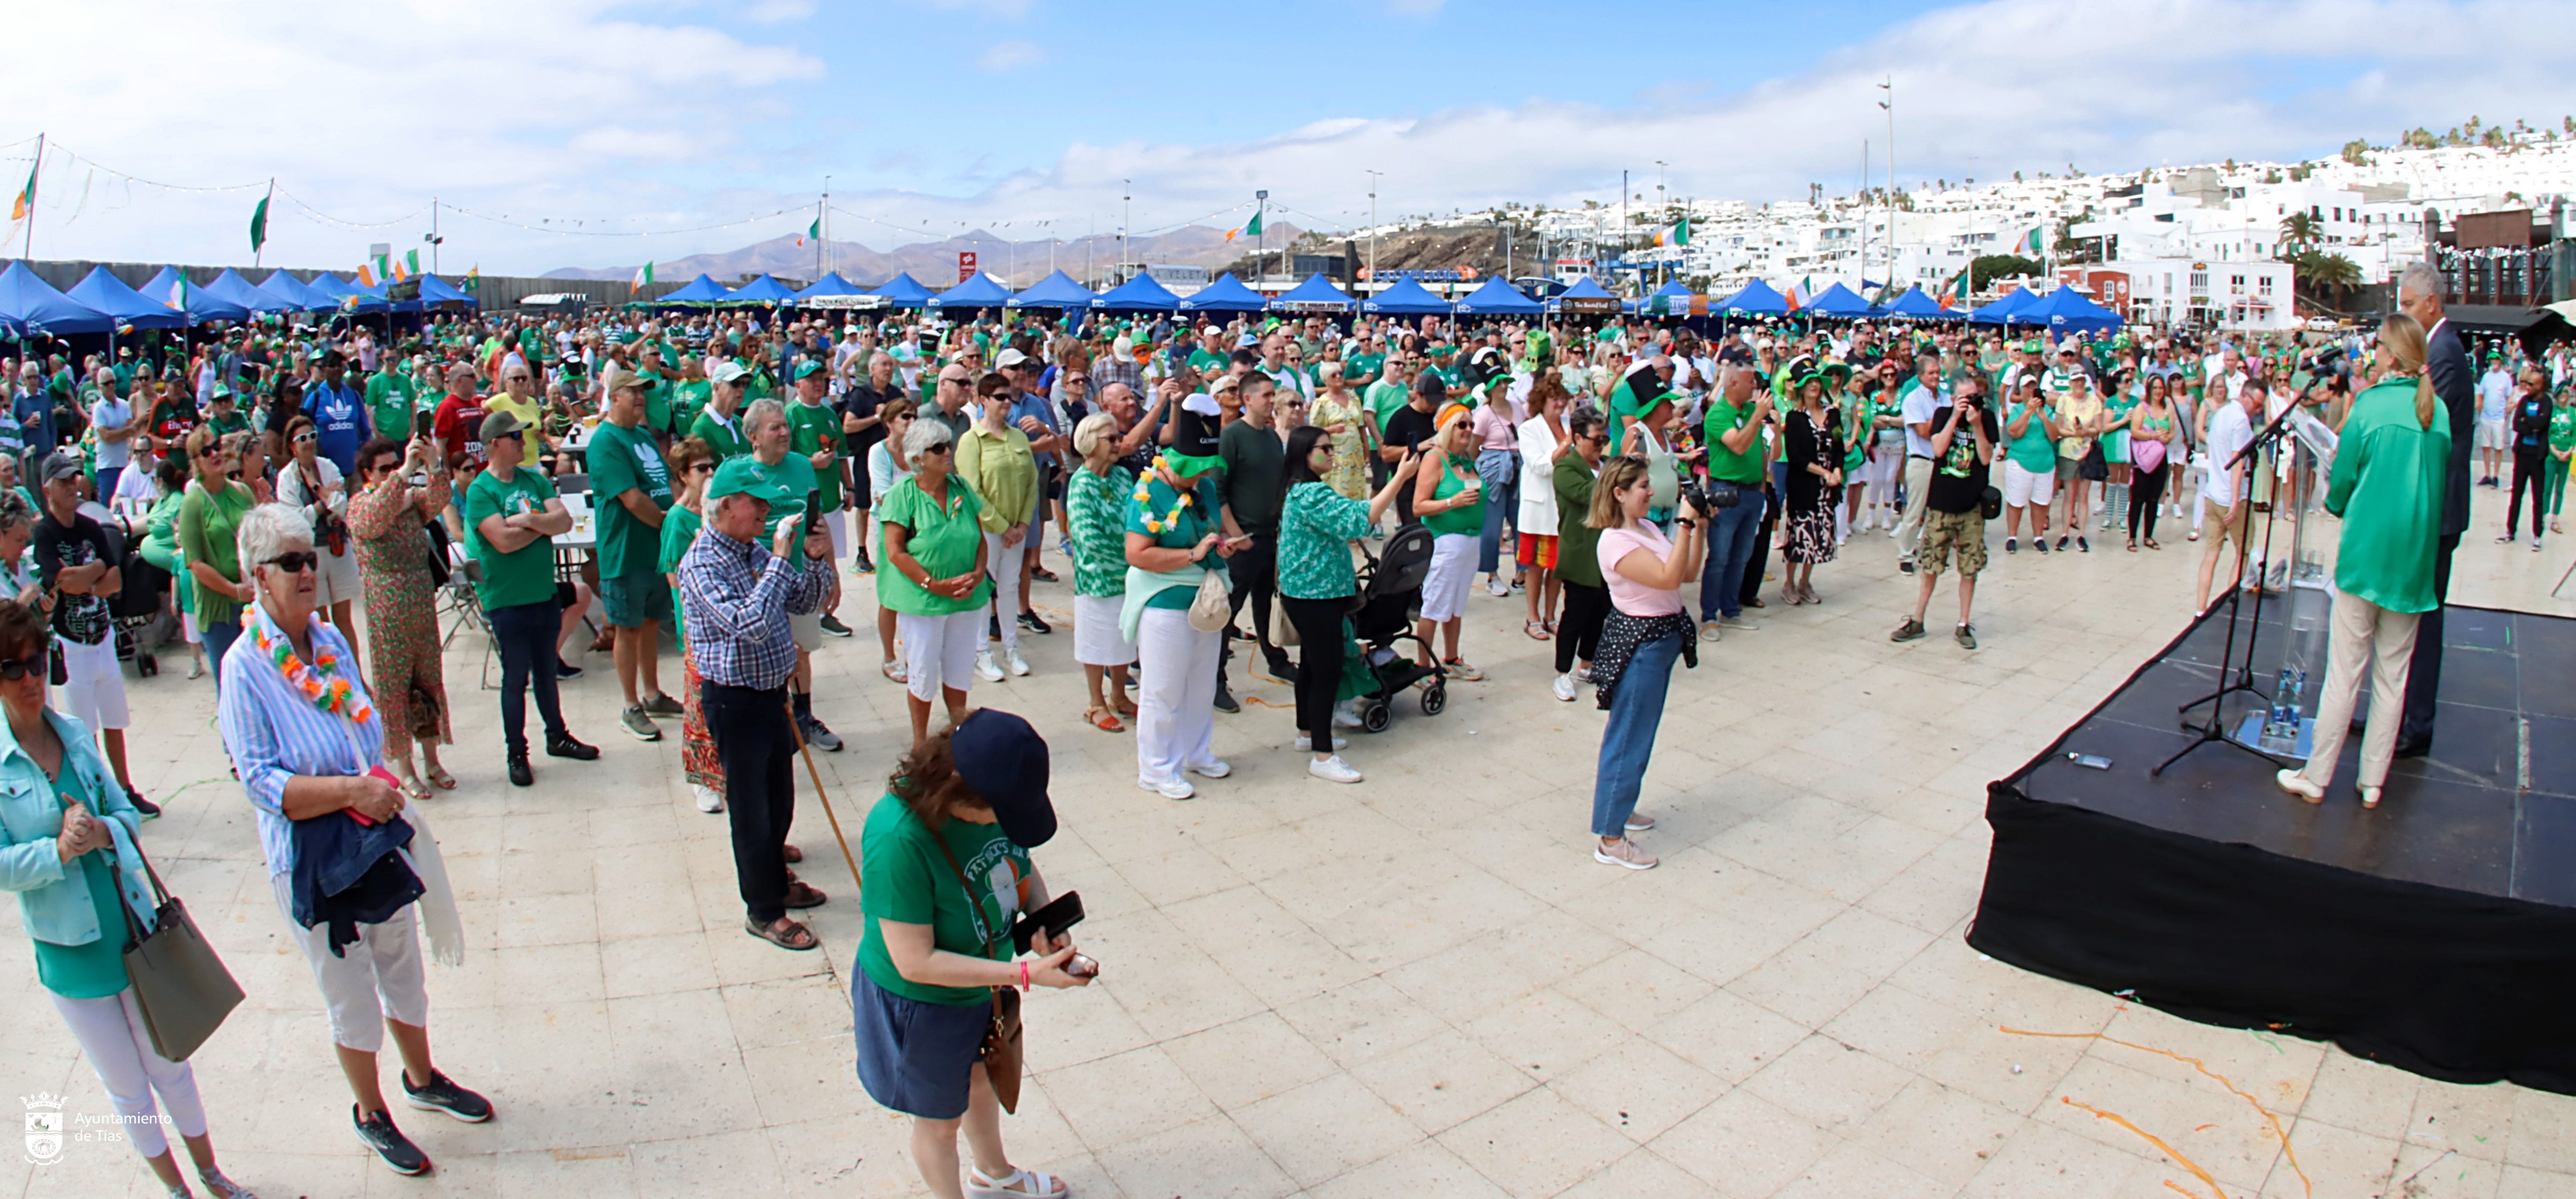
x=1175 y=695
x=1004 y=567
x=2363 y=629
x=939 y=651
x=113 y=1038
x=93 y=687
x=378 y=979
x=1918 y=492
x=1880 y=473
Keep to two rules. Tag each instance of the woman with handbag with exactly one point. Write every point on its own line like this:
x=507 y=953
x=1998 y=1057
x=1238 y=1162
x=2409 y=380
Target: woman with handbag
x=313 y=483
x=389 y=516
x=2079 y=458
x=305 y=737
x=67 y=847
x=2151 y=429
x=1644 y=632
x=936 y=993
x=1176 y=606
x=1316 y=583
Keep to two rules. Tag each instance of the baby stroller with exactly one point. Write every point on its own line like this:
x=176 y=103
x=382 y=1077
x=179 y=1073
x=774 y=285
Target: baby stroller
x=1390 y=594
x=138 y=604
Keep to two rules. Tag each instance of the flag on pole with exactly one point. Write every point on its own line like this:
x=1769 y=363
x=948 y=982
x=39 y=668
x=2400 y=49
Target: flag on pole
x=25 y=204
x=473 y=279
x=411 y=262
x=1675 y=234
x=259 y=225
x=179 y=292
x=813 y=232
x=643 y=279
x=368 y=272
x=2034 y=238
x=1957 y=289
x=1251 y=228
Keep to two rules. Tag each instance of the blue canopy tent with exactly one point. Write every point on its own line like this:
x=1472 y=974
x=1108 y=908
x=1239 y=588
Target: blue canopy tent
x=109 y=294
x=201 y=305
x=1407 y=298
x=2068 y=309
x=1755 y=298
x=1316 y=294
x=342 y=291
x=701 y=290
x=2007 y=310
x=300 y=296
x=831 y=285
x=231 y=288
x=763 y=290
x=434 y=290
x=1837 y=301
x=1057 y=291
x=30 y=307
x=1140 y=294
x=903 y=291
x=1226 y=294
x=982 y=291
x=1672 y=299
x=1587 y=295
x=1917 y=306
x=1498 y=298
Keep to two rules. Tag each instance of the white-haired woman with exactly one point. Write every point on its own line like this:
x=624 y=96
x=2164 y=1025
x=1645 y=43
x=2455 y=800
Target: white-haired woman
x=1096 y=509
x=933 y=574
x=307 y=742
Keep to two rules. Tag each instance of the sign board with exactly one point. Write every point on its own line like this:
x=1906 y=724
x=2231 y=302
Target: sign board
x=2486 y=230
x=837 y=303
x=965 y=265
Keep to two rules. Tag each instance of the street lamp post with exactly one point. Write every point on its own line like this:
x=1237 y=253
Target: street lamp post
x=1373 y=177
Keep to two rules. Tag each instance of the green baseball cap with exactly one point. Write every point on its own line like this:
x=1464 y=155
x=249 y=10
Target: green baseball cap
x=809 y=367
x=746 y=476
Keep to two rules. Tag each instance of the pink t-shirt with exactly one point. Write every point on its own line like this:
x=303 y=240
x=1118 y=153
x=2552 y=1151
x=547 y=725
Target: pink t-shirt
x=1637 y=599
x=1494 y=430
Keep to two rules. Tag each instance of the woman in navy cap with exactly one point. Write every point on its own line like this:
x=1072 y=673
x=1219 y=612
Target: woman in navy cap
x=946 y=856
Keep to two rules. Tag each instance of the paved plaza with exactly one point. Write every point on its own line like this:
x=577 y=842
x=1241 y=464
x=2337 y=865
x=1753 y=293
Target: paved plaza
x=1422 y=986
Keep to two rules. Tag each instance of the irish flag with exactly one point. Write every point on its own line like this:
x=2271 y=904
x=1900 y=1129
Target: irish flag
x=1956 y=289
x=1675 y=234
x=26 y=201
x=643 y=277
x=813 y=232
x=1251 y=228
x=179 y=292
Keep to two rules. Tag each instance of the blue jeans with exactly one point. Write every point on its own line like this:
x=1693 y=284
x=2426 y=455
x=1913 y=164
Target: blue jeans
x=1636 y=710
x=1731 y=534
x=1500 y=470
x=219 y=636
x=525 y=634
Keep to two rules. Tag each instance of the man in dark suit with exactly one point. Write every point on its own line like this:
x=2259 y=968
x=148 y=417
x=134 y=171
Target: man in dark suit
x=2419 y=295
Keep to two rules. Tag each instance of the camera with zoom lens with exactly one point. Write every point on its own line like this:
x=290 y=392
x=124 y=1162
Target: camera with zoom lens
x=1725 y=495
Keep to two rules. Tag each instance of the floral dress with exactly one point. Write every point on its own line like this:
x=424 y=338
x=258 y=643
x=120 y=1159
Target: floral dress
x=1810 y=526
x=1096 y=506
x=402 y=609
x=1349 y=478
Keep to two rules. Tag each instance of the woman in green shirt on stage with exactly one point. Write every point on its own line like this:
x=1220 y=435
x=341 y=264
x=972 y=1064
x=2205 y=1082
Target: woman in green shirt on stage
x=2390 y=469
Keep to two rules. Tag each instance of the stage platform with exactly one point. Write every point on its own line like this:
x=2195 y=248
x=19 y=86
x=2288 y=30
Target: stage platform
x=2436 y=933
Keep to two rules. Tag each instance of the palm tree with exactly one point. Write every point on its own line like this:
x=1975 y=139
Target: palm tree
x=2298 y=232
x=2319 y=271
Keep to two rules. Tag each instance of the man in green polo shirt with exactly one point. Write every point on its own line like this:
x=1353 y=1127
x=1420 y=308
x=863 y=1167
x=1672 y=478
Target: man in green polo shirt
x=720 y=425
x=512 y=516
x=814 y=433
x=631 y=489
x=1737 y=411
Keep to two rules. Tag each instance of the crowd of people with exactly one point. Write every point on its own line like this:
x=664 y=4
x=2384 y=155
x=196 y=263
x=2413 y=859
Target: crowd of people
x=296 y=504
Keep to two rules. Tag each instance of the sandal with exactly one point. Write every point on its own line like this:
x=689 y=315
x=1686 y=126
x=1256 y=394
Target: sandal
x=794 y=936
x=415 y=790
x=1124 y=710
x=1042 y=574
x=1019 y=1184
x=792 y=854
x=1536 y=629
x=1812 y=597
x=439 y=778
x=1458 y=669
x=2151 y=544
x=802 y=895
x=2133 y=545
x=1103 y=719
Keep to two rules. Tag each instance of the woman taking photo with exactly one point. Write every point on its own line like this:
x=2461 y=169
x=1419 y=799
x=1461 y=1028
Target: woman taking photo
x=1645 y=630
x=313 y=483
x=1814 y=455
x=1316 y=583
x=304 y=735
x=389 y=518
x=67 y=847
x=1498 y=467
x=2390 y=470
x=1095 y=502
x=209 y=516
x=887 y=466
x=994 y=459
x=1449 y=500
x=933 y=575
x=1578 y=565
x=1542 y=443
x=2151 y=428
x=946 y=856
x=1178 y=533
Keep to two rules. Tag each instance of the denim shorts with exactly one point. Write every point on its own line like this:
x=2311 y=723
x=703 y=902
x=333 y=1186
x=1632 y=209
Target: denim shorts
x=915 y=1057
x=633 y=599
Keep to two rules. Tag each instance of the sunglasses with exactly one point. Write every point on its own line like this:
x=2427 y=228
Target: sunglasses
x=942 y=448
x=305 y=439
x=295 y=561
x=14 y=669
x=698 y=468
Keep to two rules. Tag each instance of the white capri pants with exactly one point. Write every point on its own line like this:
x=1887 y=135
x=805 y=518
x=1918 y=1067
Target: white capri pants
x=336 y=579
x=2364 y=633
x=1879 y=472
x=1097 y=639
x=838 y=525
x=93 y=687
x=939 y=651
x=1453 y=567
x=2028 y=488
x=1176 y=694
x=379 y=979
x=1003 y=567
x=112 y=1036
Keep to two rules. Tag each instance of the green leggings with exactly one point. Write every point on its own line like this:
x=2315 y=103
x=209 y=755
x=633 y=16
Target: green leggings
x=2553 y=486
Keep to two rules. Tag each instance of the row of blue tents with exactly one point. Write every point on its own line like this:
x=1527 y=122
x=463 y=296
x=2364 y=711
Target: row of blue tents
x=103 y=303
x=1059 y=292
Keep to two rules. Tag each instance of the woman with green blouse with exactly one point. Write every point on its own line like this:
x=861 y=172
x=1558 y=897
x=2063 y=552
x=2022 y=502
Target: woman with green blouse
x=933 y=574
x=1449 y=500
x=1095 y=502
x=2390 y=469
x=1316 y=583
x=994 y=459
x=209 y=516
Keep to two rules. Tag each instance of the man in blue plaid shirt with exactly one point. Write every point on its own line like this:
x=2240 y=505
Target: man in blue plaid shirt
x=737 y=596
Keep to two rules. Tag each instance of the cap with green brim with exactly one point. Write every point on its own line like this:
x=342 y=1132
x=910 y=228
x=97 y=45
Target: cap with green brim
x=810 y=367
x=746 y=476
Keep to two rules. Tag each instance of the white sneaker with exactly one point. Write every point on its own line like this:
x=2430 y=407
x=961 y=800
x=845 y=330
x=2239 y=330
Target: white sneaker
x=709 y=799
x=1215 y=768
x=984 y=668
x=1305 y=742
x=1174 y=789
x=2296 y=783
x=1019 y=665
x=1345 y=716
x=1497 y=588
x=1583 y=674
x=1564 y=687
x=1333 y=770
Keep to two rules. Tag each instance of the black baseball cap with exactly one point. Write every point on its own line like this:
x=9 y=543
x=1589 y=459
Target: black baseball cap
x=1005 y=761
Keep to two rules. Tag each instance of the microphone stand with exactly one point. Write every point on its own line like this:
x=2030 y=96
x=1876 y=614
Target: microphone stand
x=2236 y=675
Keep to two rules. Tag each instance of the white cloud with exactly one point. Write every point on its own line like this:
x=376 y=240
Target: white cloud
x=1008 y=10
x=774 y=12
x=1011 y=56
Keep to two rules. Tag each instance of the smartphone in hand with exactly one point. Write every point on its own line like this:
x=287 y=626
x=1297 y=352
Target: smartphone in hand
x=1062 y=914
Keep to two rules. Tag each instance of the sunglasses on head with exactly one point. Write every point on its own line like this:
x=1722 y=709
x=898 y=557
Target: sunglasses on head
x=295 y=561
x=14 y=669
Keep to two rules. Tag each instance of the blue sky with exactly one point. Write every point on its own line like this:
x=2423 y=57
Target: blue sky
x=592 y=133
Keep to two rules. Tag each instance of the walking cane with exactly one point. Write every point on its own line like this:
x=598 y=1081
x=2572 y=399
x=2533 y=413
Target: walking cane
x=819 y=793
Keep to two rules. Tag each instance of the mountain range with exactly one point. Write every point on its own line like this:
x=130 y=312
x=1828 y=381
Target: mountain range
x=934 y=263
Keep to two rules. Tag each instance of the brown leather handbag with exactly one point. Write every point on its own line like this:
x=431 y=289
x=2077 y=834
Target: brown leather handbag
x=1001 y=1053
